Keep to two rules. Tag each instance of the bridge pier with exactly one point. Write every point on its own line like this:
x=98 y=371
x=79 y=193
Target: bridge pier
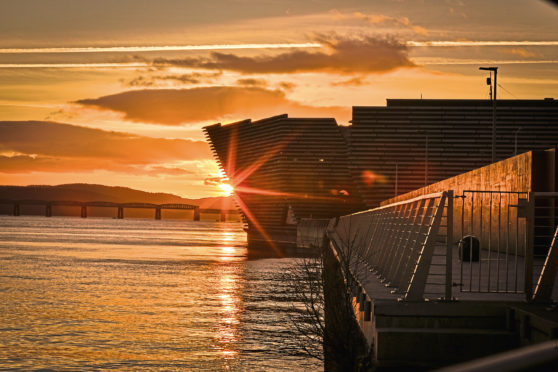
x=120 y=213
x=196 y=213
x=157 y=213
x=16 y=209
x=48 y=210
x=223 y=217
x=83 y=211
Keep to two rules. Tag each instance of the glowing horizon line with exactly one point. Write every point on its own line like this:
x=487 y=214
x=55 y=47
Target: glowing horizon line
x=154 y=48
x=479 y=43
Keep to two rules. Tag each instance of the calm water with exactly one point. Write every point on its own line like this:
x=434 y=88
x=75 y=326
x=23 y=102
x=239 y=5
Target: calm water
x=140 y=294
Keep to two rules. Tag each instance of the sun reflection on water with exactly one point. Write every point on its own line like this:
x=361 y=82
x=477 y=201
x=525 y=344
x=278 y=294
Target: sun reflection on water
x=228 y=251
x=228 y=328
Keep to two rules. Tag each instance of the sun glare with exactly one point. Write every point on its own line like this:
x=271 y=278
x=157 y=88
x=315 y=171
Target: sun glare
x=226 y=188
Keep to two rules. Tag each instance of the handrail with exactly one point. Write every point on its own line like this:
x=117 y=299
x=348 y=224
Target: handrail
x=397 y=241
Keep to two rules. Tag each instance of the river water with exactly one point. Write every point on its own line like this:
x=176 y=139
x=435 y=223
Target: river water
x=138 y=294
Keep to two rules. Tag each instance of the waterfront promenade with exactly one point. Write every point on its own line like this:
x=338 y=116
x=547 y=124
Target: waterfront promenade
x=431 y=286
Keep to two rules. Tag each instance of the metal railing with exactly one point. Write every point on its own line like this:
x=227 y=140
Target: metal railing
x=398 y=243
x=506 y=243
x=492 y=241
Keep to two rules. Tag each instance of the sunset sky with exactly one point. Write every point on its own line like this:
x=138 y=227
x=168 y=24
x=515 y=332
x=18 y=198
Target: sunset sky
x=116 y=91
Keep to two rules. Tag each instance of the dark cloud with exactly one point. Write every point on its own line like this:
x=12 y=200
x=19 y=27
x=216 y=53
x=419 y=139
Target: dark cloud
x=285 y=85
x=192 y=78
x=176 y=106
x=139 y=81
x=356 y=81
x=365 y=54
x=252 y=82
x=49 y=146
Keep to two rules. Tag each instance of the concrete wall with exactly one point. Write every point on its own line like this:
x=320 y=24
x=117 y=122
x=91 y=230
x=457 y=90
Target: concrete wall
x=512 y=174
x=493 y=217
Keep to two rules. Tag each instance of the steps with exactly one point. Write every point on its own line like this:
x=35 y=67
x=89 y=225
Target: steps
x=435 y=334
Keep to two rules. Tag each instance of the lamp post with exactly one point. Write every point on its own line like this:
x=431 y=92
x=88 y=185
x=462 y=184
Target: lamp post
x=493 y=98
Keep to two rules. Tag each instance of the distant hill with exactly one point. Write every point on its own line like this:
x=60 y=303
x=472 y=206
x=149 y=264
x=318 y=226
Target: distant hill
x=88 y=192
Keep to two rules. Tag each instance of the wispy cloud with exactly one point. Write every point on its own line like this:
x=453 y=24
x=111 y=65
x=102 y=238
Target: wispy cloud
x=75 y=65
x=190 y=78
x=366 y=54
x=467 y=61
x=161 y=48
x=382 y=19
x=467 y=43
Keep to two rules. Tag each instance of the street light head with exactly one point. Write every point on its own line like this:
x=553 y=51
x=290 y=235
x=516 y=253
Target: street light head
x=488 y=68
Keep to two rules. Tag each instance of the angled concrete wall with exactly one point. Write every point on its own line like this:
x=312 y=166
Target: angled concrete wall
x=493 y=217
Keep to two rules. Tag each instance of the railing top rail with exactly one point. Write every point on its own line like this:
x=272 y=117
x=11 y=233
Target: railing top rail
x=407 y=201
x=496 y=192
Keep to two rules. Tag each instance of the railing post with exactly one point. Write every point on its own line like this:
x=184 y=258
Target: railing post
x=157 y=213
x=120 y=213
x=417 y=283
x=449 y=247
x=545 y=285
x=529 y=237
x=196 y=213
x=48 y=210
x=83 y=211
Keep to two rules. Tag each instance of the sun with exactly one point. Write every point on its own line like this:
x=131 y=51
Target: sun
x=226 y=188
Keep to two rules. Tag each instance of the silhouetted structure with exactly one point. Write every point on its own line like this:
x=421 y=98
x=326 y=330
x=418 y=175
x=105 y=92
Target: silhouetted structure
x=284 y=169
x=48 y=204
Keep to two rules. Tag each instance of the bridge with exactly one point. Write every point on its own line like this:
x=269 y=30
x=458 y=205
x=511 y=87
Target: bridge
x=48 y=204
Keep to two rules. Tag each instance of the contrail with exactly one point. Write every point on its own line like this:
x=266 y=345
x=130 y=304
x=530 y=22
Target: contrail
x=464 y=61
x=164 y=48
x=479 y=43
x=72 y=65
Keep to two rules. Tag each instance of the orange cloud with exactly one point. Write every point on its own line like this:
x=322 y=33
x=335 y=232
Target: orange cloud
x=56 y=147
x=356 y=81
x=403 y=22
x=176 y=106
x=521 y=52
x=345 y=55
